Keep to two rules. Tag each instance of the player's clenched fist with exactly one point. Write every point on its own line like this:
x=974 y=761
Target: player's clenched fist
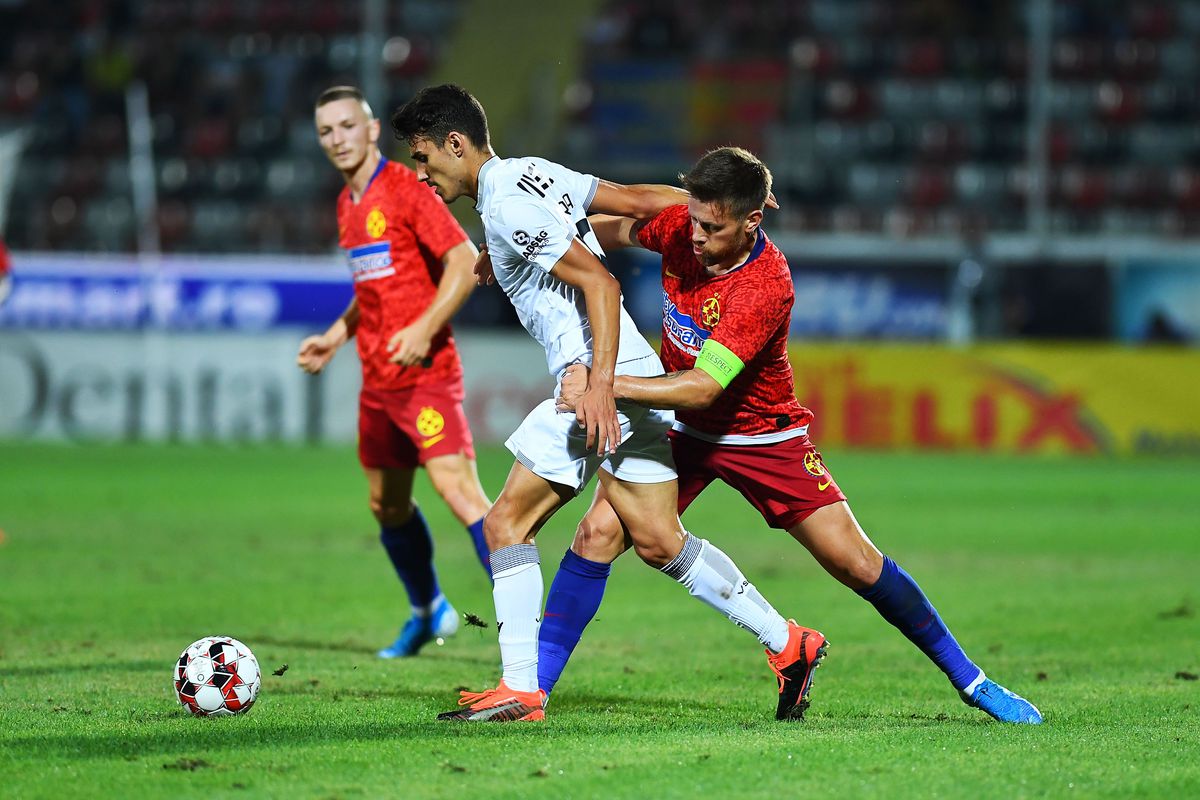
x=574 y=384
x=484 y=274
x=409 y=346
x=315 y=353
x=596 y=412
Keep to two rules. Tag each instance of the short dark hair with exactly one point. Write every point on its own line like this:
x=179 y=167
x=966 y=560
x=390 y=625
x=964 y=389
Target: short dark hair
x=435 y=111
x=732 y=178
x=342 y=93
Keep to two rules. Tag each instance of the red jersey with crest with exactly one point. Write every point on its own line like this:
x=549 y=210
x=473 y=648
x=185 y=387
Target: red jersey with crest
x=748 y=310
x=395 y=237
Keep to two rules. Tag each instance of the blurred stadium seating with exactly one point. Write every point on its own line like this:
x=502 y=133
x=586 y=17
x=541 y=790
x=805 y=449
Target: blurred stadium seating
x=230 y=89
x=909 y=118
x=905 y=118
x=899 y=131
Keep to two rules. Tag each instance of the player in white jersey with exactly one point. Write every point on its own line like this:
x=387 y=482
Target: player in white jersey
x=532 y=210
x=547 y=260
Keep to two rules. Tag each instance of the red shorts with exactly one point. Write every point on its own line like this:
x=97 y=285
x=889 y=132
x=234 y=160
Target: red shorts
x=786 y=481
x=402 y=430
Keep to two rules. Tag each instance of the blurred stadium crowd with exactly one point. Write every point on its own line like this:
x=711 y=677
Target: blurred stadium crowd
x=904 y=118
x=230 y=88
x=911 y=117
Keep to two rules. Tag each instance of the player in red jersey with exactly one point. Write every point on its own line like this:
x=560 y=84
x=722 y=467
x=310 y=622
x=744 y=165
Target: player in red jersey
x=5 y=275
x=727 y=301
x=412 y=268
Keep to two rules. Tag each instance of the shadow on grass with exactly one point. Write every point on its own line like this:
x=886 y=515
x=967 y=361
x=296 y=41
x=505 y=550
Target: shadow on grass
x=574 y=703
x=330 y=692
x=172 y=733
x=98 y=665
x=348 y=646
x=205 y=737
x=911 y=720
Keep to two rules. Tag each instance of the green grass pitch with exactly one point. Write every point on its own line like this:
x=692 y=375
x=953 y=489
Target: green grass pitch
x=1074 y=582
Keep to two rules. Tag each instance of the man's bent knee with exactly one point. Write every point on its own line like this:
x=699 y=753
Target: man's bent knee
x=858 y=572
x=500 y=529
x=658 y=553
x=391 y=515
x=460 y=491
x=866 y=569
x=600 y=540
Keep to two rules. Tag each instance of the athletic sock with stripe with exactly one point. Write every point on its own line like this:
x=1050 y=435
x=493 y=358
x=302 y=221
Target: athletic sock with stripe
x=517 y=591
x=712 y=577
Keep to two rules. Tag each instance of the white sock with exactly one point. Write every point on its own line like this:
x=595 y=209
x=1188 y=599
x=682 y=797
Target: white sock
x=711 y=576
x=970 y=689
x=517 y=592
x=422 y=612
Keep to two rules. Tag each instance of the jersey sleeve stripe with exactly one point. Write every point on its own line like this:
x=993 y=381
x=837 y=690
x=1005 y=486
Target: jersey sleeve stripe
x=591 y=193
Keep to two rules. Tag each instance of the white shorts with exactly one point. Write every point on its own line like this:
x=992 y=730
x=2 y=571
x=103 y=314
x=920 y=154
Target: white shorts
x=552 y=445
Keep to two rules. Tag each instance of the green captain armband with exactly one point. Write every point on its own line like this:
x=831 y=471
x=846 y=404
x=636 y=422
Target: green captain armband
x=720 y=362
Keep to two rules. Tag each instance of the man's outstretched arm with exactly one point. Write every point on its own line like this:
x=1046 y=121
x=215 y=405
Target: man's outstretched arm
x=614 y=232
x=692 y=389
x=639 y=200
x=687 y=389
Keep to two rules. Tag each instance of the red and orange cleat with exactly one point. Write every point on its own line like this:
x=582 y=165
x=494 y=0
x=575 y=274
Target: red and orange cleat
x=501 y=704
x=794 y=667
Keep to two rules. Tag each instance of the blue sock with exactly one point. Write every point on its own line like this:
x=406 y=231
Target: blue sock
x=901 y=602
x=410 y=547
x=481 y=548
x=574 y=597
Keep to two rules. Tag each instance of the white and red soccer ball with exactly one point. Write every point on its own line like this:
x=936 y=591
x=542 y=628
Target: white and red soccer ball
x=217 y=676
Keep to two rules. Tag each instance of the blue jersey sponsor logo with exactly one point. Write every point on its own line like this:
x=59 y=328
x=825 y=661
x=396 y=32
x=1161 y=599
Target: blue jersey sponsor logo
x=371 y=261
x=682 y=329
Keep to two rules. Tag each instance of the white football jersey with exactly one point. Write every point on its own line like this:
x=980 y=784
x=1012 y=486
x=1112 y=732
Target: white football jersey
x=532 y=210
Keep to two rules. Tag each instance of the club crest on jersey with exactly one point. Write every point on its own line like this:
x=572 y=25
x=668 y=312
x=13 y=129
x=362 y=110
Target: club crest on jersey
x=371 y=261
x=532 y=244
x=710 y=312
x=376 y=223
x=430 y=421
x=813 y=464
x=681 y=329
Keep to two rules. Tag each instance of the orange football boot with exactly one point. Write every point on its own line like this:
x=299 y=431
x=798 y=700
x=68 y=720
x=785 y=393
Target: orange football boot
x=501 y=704
x=794 y=666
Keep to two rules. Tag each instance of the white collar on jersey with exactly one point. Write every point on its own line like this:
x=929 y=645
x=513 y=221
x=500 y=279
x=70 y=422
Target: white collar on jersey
x=480 y=190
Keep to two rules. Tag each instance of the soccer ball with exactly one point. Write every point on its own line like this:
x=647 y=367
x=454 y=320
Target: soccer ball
x=217 y=676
